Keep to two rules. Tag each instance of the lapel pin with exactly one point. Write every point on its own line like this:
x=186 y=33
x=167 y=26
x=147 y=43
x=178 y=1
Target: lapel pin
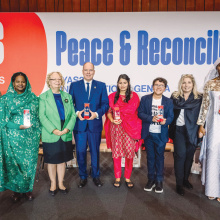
x=94 y=87
x=66 y=100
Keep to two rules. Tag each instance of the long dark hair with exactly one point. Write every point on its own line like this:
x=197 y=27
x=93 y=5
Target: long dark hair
x=128 y=91
x=18 y=74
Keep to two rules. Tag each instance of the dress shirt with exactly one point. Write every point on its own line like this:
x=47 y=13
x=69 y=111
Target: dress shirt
x=90 y=84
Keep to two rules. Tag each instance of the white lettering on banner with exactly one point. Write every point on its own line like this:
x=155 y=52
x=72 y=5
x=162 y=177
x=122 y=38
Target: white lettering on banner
x=1 y=44
x=2 y=79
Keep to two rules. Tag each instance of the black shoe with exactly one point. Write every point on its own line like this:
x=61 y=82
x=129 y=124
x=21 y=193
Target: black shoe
x=150 y=185
x=15 y=197
x=29 y=196
x=52 y=193
x=159 y=187
x=180 y=190
x=187 y=184
x=97 y=182
x=63 y=191
x=82 y=183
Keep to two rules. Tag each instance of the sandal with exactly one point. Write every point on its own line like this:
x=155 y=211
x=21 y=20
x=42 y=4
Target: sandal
x=218 y=199
x=211 y=198
x=129 y=184
x=117 y=183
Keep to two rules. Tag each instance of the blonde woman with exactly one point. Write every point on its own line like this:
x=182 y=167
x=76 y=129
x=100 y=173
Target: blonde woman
x=57 y=117
x=183 y=130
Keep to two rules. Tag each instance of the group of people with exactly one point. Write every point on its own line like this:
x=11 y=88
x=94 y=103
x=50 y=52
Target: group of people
x=185 y=117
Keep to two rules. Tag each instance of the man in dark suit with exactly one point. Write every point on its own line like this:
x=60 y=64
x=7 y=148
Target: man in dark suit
x=156 y=113
x=89 y=130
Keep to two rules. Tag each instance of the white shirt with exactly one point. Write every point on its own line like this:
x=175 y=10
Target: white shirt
x=90 y=85
x=155 y=127
x=180 y=120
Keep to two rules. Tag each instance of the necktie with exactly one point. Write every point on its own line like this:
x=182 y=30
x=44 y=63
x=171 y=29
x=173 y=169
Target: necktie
x=87 y=90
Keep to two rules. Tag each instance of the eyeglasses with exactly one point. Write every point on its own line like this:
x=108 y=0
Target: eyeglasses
x=55 y=80
x=160 y=86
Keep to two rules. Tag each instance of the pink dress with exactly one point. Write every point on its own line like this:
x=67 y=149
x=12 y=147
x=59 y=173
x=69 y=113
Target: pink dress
x=122 y=144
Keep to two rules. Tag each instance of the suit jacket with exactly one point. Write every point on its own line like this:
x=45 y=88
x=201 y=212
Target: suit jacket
x=98 y=100
x=50 y=118
x=145 y=114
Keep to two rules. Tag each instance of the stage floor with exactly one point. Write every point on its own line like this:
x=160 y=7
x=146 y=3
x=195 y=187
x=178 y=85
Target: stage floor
x=109 y=202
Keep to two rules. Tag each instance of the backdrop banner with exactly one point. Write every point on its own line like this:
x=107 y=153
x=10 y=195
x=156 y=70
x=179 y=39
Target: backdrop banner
x=142 y=45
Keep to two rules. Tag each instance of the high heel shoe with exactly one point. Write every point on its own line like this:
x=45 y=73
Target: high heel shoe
x=52 y=192
x=63 y=191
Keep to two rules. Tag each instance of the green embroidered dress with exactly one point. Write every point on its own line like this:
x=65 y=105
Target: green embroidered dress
x=18 y=148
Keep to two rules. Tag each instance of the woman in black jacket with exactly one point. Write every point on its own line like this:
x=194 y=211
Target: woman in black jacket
x=183 y=130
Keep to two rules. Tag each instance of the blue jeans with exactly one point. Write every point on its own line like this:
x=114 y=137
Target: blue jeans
x=155 y=156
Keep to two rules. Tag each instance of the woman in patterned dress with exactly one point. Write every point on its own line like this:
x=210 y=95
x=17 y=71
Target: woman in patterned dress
x=123 y=135
x=19 y=142
x=210 y=117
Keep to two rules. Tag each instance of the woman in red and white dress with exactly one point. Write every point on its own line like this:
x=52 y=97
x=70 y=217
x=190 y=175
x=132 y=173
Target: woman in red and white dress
x=123 y=135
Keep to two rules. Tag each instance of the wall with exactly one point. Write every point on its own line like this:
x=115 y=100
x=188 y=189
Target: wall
x=107 y=5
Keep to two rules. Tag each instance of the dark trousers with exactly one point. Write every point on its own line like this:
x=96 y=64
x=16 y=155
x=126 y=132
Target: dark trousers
x=93 y=139
x=155 y=156
x=183 y=155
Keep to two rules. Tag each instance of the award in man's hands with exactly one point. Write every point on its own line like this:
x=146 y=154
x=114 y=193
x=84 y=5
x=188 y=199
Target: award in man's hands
x=86 y=110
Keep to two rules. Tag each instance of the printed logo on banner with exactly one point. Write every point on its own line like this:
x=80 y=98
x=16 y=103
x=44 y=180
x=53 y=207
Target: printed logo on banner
x=23 y=48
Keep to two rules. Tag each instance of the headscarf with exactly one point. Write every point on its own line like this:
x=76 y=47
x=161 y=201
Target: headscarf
x=19 y=148
x=19 y=100
x=213 y=72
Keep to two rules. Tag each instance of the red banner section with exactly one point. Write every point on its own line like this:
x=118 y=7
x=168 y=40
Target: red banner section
x=23 y=48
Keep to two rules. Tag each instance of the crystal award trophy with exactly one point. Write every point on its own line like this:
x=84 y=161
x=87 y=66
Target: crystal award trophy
x=116 y=113
x=160 y=110
x=27 y=117
x=86 y=110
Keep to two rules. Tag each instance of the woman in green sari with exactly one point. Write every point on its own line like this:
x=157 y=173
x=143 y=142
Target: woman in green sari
x=19 y=140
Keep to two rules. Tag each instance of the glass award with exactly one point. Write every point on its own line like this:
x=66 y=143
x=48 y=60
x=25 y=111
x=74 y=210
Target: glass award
x=116 y=113
x=160 y=110
x=27 y=117
x=86 y=110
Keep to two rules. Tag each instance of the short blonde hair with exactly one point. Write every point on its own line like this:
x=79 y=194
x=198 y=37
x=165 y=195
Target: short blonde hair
x=180 y=91
x=62 y=79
